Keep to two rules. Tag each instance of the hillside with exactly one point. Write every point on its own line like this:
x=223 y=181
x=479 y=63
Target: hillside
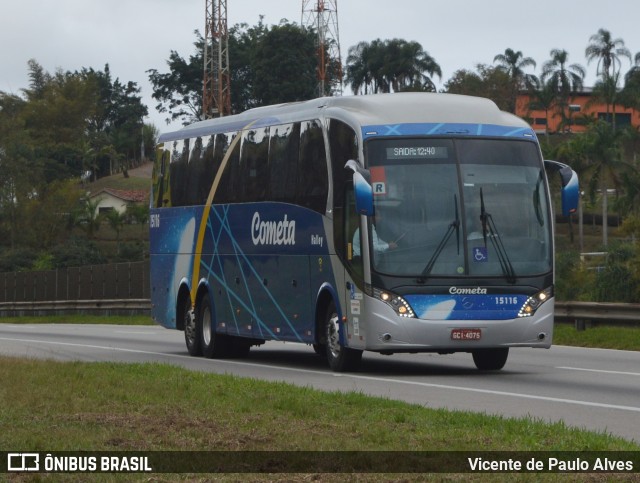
x=139 y=179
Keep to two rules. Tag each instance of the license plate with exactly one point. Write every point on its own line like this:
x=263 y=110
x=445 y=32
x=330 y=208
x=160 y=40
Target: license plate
x=466 y=334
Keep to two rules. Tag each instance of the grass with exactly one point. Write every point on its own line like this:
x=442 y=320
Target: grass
x=604 y=337
x=79 y=319
x=119 y=182
x=71 y=406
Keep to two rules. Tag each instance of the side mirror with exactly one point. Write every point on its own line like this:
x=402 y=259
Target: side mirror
x=362 y=188
x=570 y=186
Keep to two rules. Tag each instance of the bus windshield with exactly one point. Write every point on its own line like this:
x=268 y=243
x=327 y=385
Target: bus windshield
x=458 y=207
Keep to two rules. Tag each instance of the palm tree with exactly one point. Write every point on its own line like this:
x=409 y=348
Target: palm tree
x=631 y=90
x=607 y=51
x=364 y=70
x=563 y=78
x=406 y=64
x=543 y=98
x=357 y=72
x=606 y=90
x=514 y=63
x=390 y=66
x=605 y=162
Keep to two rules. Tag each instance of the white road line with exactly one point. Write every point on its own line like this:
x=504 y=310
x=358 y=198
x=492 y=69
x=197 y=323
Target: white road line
x=600 y=371
x=350 y=376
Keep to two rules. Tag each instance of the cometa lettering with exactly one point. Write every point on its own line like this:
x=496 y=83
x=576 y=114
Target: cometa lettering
x=281 y=232
x=468 y=291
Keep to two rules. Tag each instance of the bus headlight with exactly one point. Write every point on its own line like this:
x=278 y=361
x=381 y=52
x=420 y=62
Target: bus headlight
x=400 y=306
x=535 y=301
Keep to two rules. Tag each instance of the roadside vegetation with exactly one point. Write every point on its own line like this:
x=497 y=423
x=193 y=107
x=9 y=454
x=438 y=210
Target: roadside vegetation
x=73 y=406
x=48 y=222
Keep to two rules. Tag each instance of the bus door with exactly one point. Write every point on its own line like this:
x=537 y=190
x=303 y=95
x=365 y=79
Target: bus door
x=353 y=271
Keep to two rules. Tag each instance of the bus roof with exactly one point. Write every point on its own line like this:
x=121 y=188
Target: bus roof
x=369 y=110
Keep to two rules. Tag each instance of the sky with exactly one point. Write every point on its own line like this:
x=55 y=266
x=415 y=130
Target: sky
x=133 y=36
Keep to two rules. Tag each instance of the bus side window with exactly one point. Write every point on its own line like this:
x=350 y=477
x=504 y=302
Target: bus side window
x=209 y=169
x=194 y=173
x=230 y=181
x=161 y=194
x=254 y=170
x=283 y=162
x=313 y=184
x=178 y=172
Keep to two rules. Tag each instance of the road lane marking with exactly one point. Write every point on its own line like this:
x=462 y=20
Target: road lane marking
x=602 y=371
x=349 y=376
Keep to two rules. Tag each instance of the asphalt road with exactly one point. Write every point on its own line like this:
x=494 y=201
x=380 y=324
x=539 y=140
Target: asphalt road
x=596 y=389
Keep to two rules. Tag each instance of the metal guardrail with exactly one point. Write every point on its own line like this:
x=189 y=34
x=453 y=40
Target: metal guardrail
x=582 y=314
x=67 y=307
x=590 y=314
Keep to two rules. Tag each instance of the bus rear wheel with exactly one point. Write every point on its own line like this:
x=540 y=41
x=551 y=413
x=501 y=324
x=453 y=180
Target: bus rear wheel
x=490 y=359
x=191 y=336
x=340 y=358
x=213 y=345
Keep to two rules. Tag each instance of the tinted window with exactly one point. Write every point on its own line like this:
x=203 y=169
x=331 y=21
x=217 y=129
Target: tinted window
x=312 y=170
x=230 y=181
x=194 y=173
x=283 y=162
x=178 y=173
x=254 y=169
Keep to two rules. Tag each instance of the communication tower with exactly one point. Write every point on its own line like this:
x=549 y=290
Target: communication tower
x=216 y=94
x=322 y=16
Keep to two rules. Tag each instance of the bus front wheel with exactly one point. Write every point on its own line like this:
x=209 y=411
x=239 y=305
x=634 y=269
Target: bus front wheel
x=490 y=359
x=340 y=358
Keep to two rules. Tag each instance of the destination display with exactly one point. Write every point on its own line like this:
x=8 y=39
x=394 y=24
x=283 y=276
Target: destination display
x=418 y=152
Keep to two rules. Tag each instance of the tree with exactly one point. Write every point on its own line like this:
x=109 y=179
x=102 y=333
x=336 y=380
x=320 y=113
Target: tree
x=284 y=65
x=607 y=52
x=268 y=65
x=364 y=63
x=87 y=217
x=630 y=95
x=390 y=66
x=543 y=98
x=605 y=165
x=514 y=63
x=179 y=91
x=489 y=81
x=22 y=173
x=606 y=90
x=562 y=78
x=116 y=222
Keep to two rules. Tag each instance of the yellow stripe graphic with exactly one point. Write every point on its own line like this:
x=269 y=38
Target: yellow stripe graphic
x=205 y=214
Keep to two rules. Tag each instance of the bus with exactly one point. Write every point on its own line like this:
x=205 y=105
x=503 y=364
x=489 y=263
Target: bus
x=392 y=223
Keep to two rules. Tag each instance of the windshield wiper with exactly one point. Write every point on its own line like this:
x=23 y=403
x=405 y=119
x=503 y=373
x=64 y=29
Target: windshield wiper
x=454 y=225
x=488 y=226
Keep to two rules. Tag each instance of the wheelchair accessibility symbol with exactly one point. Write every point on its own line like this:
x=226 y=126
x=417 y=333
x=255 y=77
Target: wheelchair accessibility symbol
x=480 y=254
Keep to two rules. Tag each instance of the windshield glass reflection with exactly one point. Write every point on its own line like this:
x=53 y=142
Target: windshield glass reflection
x=471 y=207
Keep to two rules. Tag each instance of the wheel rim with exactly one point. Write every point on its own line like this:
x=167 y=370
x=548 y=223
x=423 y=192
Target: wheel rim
x=333 y=337
x=189 y=327
x=206 y=326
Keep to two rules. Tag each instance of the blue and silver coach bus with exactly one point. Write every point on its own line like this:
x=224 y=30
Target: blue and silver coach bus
x=411 y=222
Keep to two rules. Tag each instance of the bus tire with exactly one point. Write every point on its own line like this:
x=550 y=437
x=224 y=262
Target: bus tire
x=490 y=359
x=340 y=358
x=191 y=336
x=213 y=345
